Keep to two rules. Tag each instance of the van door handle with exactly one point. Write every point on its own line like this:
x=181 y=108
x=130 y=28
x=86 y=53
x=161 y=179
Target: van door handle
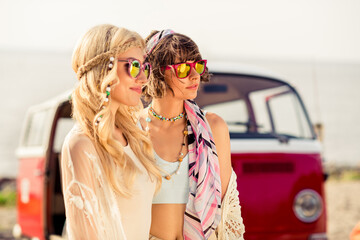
x=39 y=173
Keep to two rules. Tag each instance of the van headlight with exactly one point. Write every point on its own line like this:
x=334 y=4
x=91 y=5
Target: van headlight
x=308 y=205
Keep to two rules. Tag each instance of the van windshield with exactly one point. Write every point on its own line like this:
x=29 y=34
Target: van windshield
x=256 y=107
x=35 y=130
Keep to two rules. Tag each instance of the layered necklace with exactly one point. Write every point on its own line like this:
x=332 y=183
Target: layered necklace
x=180 y=158
x=158 y=116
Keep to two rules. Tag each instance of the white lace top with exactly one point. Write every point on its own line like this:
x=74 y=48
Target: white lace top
x=93 y=210
x=231 y=225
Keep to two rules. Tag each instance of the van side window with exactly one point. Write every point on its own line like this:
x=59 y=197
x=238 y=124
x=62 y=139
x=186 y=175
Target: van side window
x=234 y=113
x=259 y=100
x=63 y=126
x=293 y=123
x=278 y=110
x=256 y=107
x=34 y=130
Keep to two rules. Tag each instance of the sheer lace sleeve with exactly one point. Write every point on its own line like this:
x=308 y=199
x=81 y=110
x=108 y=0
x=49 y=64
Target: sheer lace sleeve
x=91 y=210
x=231 y=225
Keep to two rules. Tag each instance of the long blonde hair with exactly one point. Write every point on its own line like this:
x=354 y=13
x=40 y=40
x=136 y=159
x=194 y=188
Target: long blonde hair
x=90 y=61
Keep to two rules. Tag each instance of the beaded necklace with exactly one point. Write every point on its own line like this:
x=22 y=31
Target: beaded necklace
x=158 y=116
x=180 y=158
x=181 y=154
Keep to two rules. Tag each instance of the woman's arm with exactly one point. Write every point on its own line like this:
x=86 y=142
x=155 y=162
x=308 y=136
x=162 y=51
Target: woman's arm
x=221 y=136
x=231 y=225
x=89 y=205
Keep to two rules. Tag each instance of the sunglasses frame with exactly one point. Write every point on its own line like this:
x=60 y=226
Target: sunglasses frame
x=142 y=66
x=192 y=66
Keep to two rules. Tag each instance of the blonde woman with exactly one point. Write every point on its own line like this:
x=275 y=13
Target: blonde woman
x=198 y=198
x=108 y=172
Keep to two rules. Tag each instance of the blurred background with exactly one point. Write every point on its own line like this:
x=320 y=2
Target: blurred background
x=314 y=45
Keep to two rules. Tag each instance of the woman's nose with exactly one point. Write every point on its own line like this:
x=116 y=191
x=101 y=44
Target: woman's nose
x=142 y=78
x=194 y=75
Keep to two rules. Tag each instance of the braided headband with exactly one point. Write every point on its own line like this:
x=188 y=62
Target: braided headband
x=106 y=55
x=154 y=40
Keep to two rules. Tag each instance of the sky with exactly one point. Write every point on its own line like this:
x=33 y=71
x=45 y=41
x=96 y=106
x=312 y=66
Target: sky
x=316 y=30
x=313 y=43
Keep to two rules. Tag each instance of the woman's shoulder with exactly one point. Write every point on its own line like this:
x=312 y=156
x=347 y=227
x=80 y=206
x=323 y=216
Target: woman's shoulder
x=78 y=150
x=76 y=139
x=217 y=123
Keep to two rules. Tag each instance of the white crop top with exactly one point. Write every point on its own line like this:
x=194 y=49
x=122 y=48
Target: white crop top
x=175 y=190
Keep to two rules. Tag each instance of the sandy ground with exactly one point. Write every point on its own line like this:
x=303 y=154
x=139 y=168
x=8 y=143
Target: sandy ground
x=7 y=221
x=343 y=206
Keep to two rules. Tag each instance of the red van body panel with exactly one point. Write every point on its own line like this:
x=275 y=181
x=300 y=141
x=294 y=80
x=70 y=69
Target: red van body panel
x=30 y=208
x=263 y=179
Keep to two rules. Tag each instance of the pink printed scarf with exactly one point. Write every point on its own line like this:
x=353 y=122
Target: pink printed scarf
x=203 y=210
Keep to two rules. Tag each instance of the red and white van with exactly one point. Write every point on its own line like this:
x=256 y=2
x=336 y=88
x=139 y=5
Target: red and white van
x=275 y=154
x=40 y=204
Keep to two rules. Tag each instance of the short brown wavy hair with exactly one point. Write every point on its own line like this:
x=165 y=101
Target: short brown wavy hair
x=171 y=48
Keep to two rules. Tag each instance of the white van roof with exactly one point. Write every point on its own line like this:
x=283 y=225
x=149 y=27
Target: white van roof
x=53 y=102
x=51 y=106
x=244 y=69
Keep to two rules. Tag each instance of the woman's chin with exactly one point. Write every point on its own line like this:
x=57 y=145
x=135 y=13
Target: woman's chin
x=192 y=96
x=131 y=103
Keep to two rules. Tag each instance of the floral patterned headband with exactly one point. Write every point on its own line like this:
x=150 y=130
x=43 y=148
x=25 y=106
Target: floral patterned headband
x=154 y=40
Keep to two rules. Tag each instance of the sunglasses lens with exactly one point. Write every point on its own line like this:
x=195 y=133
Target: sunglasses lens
x=183 y=70
x=134 y=68
x=200 y=67
x=147 y=70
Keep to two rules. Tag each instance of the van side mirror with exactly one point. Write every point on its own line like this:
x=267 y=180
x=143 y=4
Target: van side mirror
x=319 y=131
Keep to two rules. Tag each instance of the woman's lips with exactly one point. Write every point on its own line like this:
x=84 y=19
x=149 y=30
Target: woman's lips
x=136 y=89
x=193 y=87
